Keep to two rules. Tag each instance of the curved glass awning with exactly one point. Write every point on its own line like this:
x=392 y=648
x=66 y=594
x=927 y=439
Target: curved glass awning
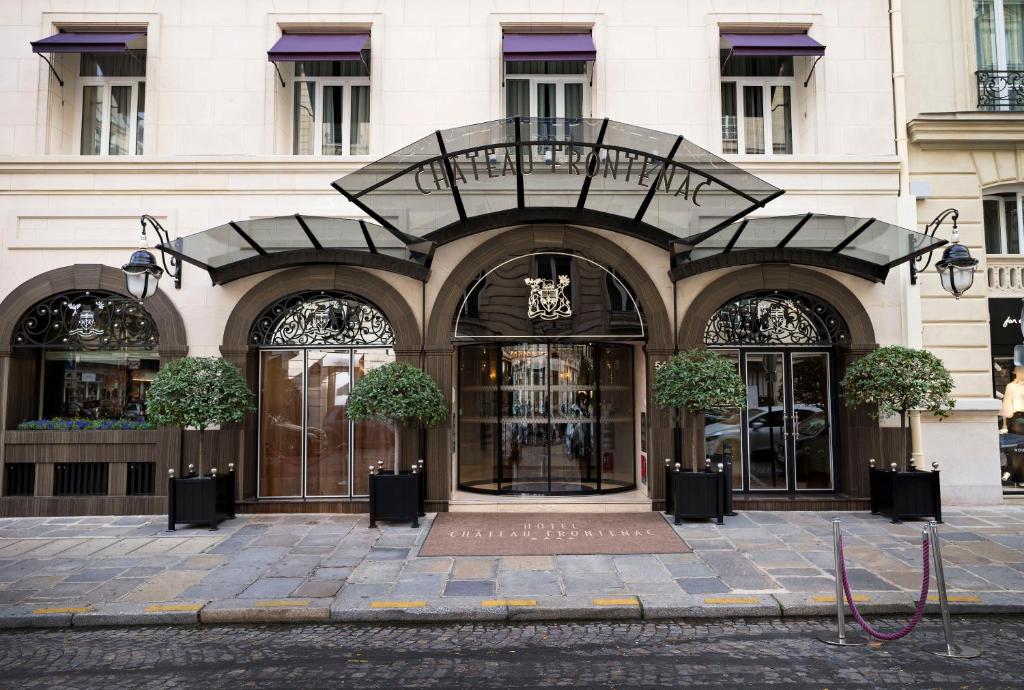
x=864 y=247
x=241 y=248
x=601 y=173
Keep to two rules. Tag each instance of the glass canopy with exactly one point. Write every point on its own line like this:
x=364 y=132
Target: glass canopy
x=241 y=248
x=865 y=247
x=653 y=185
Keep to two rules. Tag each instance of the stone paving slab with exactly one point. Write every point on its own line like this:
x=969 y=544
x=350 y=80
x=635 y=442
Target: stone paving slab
x=264 y=568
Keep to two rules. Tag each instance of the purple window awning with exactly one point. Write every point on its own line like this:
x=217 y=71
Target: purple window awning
x=318 y=47
x=524 y=47
x=112 y=42
x=772 y=45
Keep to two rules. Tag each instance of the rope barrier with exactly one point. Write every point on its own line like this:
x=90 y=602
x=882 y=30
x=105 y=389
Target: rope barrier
x=918 y=612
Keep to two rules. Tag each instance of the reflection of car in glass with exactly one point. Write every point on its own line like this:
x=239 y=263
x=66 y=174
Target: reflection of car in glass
x=134 y=410
x=765 y=436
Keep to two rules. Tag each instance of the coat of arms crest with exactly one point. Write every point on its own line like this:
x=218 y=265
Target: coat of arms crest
x=84 y=320
x=548 y=300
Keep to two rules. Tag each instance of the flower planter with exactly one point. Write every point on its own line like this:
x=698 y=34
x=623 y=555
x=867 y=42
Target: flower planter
x=904 y=495
x=396 y=496
x=697 y=495
x=200 y=500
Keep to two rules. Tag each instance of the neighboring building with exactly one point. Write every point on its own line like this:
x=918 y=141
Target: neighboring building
x=540 y=265
x=964 y=63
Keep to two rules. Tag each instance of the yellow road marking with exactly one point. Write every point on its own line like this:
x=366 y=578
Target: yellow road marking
x=831 y=598
x=730 y=600
x=626 y=601
x=283 y=602
x=965 y=598
x=509 y=602
x=159 y=608
x=69 y=609
x=397 y=604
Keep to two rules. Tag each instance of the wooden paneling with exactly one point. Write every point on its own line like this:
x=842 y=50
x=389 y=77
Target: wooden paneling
x=52 y=506
x=893 y=450
x=299 y=506
x=22 y=387
x=438 y=458
x=812 y=503
x=220 y=447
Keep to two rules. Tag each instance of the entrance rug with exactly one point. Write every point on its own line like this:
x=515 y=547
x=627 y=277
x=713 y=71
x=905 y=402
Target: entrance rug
x=550 y=534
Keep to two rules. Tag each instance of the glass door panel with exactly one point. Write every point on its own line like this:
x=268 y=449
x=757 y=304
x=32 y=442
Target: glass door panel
x=374 y=440
x=328 y=379
x=281 y=423
x=766 y=417
x=478 y=415
x=812 y=456
x=573 y=419
x=618 y=461
x=524 y=418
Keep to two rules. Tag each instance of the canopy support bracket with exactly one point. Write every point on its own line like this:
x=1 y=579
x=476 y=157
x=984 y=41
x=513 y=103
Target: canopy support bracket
x=585 y=190
x=657 y=181
x=279 y=75
x=809 y=74
x=520 y=191
x=450 y=174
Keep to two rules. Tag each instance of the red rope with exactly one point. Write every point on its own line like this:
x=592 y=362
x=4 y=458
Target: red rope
x=918 y=613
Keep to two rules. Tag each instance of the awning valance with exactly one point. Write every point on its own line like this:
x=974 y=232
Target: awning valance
x=318 y=47
x=568 y=46
x=772 y=45
x=246 y=247
x=863 y=247
x=87 y=42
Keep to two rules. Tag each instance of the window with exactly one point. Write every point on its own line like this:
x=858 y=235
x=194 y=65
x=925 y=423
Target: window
x=547 y=88
x=999 y=39
x=1004 y=223
x=331 y=108
x=112 y=103
x=757 y=104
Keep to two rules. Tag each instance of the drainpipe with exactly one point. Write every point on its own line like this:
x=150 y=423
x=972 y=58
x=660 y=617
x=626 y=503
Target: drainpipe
x=906 y=206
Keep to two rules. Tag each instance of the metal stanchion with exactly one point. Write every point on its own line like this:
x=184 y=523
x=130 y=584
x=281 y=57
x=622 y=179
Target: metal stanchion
x=950 y=649
x=842 y=640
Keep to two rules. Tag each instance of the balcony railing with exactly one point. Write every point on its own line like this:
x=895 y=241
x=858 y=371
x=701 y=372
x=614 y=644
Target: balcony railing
x=1005 y=274
x=1000 y=89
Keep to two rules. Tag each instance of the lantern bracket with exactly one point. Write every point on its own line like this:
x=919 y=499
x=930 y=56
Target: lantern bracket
x=930 y=230
x=172 y=265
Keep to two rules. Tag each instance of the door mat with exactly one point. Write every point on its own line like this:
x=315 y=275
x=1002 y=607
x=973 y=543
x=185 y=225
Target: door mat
x=547 y=534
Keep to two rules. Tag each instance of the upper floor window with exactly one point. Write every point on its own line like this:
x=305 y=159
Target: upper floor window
x=999 y=37
x=112 y=102
x=331 y=108
x=548 y=74
x=757 y=104
x=1004 y=223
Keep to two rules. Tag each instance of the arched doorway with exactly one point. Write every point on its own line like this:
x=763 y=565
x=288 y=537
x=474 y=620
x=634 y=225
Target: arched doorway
x=312 y=347
x=546 y=347
x=784 y=344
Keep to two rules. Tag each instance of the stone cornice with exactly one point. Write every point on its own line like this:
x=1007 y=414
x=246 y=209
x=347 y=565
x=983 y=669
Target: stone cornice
x=964 y=130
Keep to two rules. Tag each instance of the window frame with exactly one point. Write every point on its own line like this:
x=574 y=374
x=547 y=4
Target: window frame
x=106 y=83
x=999 y=27
x=1001 y=200
x=560 y=80
x=766 y=84
x=346 y=115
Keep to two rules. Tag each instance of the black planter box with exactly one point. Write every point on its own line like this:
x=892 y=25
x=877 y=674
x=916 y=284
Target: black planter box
x=697 y=495
x=200 y=500
x=396 y=497
x=903 y=495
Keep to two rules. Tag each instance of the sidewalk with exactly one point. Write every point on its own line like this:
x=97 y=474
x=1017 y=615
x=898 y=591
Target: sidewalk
x=265 y=568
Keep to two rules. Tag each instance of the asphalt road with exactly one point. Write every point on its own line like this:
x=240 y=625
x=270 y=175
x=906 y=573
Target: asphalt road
x=728 y=654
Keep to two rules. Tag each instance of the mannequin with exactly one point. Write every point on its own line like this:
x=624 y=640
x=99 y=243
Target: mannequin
x=1013 y=401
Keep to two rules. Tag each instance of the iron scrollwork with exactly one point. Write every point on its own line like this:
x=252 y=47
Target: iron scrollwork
x=321 y=318
x=776 y=318
x=1000 y=89
x=87 y=320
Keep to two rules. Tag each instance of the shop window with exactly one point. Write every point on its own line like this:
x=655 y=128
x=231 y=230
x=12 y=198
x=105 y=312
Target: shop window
x=112 y=103
x=1004 y=223
x=83 y=354
x=757 y=104
x=331 y=108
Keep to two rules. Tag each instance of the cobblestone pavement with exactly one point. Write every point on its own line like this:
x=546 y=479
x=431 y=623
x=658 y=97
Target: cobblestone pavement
x=319 y=567
x=729 y=654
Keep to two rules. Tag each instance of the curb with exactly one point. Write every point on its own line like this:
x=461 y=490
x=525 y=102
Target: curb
x=473 y=609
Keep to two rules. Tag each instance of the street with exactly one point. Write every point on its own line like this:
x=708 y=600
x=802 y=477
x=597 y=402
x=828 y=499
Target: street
x=728 y=654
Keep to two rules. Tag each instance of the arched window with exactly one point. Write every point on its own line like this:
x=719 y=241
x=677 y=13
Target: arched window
x=321 y=318
x=84 y=354
x=772 y=317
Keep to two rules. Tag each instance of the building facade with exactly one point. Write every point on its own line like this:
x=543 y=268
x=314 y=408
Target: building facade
x=536 y=207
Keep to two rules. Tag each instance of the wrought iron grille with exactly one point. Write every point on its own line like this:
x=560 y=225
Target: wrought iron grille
x=321 y=318
x=770 y=317
x=1000 y=89
x=141 y=479
x=80 y=478
x=87 y=320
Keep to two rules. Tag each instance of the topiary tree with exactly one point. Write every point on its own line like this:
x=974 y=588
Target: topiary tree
x=896 y=380
x=397 y=393
x=699 y=380
x=198 y=392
